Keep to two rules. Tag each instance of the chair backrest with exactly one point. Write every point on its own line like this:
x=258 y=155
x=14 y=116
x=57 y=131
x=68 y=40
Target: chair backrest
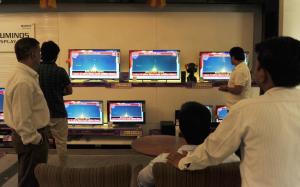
x=108 y=176
x=48 y=175
x=222 y=175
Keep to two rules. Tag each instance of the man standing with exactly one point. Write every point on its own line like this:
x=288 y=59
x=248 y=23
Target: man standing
x=239 y=84
x=26 y=111
x=267 y=127
x=55 y=83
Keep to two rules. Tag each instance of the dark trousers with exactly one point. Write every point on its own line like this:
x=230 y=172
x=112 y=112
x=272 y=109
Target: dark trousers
x=29 y=156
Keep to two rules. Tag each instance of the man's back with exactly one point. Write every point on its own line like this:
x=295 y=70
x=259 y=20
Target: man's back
x=53 y=80
x=271 y=138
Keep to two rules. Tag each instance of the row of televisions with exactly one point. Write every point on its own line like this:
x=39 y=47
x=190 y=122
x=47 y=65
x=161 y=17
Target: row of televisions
x=90 y=112
x=104 y=64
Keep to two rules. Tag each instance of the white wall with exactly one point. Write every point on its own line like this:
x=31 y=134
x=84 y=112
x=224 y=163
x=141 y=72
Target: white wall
x=191 y=32
x=290 y=15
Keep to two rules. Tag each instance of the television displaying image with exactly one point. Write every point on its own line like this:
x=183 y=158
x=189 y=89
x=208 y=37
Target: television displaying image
x=84 y=112
x=216 y=65
x=154 y=65
x=126 y=112
x=94 y=63
x=221 y=112
x=1 y=104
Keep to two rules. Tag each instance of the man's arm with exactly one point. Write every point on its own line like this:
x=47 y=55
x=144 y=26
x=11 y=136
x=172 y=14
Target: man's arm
x=145 y=176
x=236 y=90
x=22 y=102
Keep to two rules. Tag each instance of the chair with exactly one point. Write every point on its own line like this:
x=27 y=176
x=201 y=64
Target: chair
x=223 y=175
x=108 y=176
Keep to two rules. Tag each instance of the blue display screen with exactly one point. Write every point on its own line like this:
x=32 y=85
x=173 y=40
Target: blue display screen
x=1 y=103
x=126 y=112
x=216 y=65
x=94 y=64
x=222 y=112
x=154 y=64
x=84 y=112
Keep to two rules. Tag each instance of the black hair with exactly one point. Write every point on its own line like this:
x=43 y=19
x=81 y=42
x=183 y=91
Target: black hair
x=49 y=52
x=24 y=47
x=280 y=56
x=238 y=53
x=194 y=122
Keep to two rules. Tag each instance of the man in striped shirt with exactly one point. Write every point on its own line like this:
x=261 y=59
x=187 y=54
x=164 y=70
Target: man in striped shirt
x=267 y=128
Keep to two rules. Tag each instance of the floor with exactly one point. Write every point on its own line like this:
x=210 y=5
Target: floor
x=77 y=158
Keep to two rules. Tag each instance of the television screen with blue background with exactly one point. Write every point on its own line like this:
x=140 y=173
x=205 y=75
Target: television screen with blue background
x=84 y=112
x=221 y=113
x=154 y=65
x=126 y=111
x=216 y=65
x=94 y=63
x=1 y=103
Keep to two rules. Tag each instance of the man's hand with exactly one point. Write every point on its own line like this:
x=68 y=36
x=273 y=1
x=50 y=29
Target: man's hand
x=175 y=157
x=223 y=88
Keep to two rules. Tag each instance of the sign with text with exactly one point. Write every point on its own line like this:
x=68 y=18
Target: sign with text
x=11 y=33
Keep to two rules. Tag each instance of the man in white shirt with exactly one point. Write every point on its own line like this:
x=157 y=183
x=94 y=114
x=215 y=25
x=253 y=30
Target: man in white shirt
x=26 y=111
x=267 y=127
x=194 y=123
x=239 y=84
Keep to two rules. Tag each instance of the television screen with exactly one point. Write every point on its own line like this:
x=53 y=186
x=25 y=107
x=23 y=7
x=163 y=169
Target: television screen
x=131 y=112
x=216 y=65
x=84 y=112
x=1 y=103
x=94 y=63
x=221 y=113
x=154 y=65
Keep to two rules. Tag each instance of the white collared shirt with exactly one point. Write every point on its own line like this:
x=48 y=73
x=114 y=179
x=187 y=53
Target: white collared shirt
x=25 y=108
x=268 y=129
x=145 y=177
x=240 y=76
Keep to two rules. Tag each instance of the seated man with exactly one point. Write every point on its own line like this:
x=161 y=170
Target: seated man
x=194 y=124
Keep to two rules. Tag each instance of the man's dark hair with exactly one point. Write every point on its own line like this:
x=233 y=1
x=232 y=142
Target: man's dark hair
x=24 y=47
x=238 y=53
x=194 y=122
x=49 y=52
x=281 y=58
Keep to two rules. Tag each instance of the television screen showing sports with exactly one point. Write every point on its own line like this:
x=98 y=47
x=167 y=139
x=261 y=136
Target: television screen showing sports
x=1 y=103
x=216 y=65
x=126 y=111
x=221 y=113
x=84 y=112
x=94 y=63
x=154 y=64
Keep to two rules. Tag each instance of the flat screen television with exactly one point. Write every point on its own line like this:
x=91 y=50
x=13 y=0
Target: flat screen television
x=84 y=112
x=215 y=66
x=1 y=104
x=154 y=64
x=221 y=112
x=126 y=112
x=94 y=63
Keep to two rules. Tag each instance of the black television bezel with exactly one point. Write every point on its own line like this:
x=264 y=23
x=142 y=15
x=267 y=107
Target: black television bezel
x=2 y=106
x=69 y=68
x=212 y=112
x=126 y=101
x=133 y=50
x=200 y=65
x=87 y=100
